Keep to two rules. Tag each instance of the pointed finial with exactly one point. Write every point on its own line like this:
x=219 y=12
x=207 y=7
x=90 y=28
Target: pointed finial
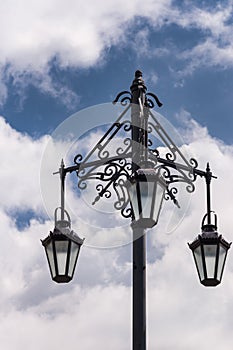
x=138 y=83
x=138 y=74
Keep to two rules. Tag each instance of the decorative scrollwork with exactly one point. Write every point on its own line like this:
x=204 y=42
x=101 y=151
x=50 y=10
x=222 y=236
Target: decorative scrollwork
x=103 y=154
x=82 y=185
x=123 y=97
x=173 y=191
x=127 y=125
x=170 y=194
x=126 y=212
x=122 y=195
x=179 y=176
x=171 y=156
x=190 y=187
x=150 y=103
x=127 y=142
x=193 y=163
x=114 y=174
x=78 y=158
x=100 y=189
x=111 y=169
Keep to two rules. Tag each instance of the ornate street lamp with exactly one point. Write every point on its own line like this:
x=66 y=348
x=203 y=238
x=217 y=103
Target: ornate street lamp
x=140 y=179
x=146 y=192
x=62 y=246
x=209 y=248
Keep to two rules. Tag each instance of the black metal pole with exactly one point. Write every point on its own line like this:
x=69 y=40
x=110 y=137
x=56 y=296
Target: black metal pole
x=139 y=289
x=62 y=178
x=138 y=90
x=208 y=180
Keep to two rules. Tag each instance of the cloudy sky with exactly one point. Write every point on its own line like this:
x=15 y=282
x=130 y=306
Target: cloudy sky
x=57 y=60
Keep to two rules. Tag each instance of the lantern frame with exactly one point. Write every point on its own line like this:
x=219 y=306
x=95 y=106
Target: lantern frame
x=210 y=251
x=66 y=242
x=145 y=211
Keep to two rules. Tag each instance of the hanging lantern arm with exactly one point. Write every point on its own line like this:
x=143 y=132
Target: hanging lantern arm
x=209 y=225
x=208 y=177
x=62 y=171
x=62 y=178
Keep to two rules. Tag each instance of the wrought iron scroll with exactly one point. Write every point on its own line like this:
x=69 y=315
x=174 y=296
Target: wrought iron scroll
x=151 y=100
x=112 y=171
x=168 y=142
x=111 y=168
x=99 y=149
x=113 y=176
x=125 y=97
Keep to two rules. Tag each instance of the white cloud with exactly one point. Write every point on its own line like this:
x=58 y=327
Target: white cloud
x=215 y=48
x=20 y=161
x=95 y=309
x=213 y=45
x=214 y=20
x=79 y=33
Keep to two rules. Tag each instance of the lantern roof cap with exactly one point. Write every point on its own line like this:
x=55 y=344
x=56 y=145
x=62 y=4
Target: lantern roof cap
x=63 y=233
x=147 y=174
x=146 y=171
x=209 y=237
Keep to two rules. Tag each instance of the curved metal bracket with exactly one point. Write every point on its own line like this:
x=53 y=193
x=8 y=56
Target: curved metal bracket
x=209 y=224
x=113 y=168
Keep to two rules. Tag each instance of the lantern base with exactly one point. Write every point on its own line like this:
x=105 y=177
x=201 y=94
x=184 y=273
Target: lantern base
x=62 y=279
x=210 y=282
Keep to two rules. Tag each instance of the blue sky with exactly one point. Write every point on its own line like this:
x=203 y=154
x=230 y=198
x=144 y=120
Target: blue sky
x=185 y=59
x=57 y=59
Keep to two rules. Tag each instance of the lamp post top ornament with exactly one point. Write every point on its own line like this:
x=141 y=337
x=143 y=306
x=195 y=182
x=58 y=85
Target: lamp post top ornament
x=138 y=82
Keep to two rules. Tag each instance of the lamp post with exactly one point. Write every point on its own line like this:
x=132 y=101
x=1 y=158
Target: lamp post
x=140 y=179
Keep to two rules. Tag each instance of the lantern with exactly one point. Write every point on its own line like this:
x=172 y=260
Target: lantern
x=210 y=252
x=146 y=191
x=62 y=248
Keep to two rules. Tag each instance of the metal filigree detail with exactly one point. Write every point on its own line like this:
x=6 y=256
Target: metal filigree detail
x=128 y=143
x=170 y=194
x=126 y=212
x=150 y=102
x=78 y=158
x=124 y=98
x=111 y=169
x=123 y=199
x=179 y=176
x=174 y=152
x=115 y=175
x=115 y=170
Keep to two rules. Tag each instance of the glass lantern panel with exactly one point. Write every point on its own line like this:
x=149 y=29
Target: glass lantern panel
x=221 y=261
x=61 y=248
x=146 y=193
x=158 y=201
x=50 y=256
x=74 y=250
x=210 y=259
x=199 y=262
x=132 y=189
